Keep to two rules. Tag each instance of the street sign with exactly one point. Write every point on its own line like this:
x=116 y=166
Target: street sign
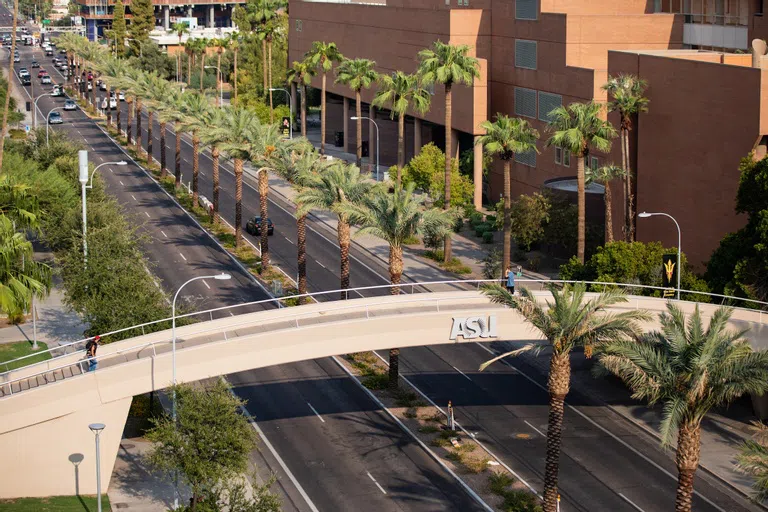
x=46 y=22
x=286 y=127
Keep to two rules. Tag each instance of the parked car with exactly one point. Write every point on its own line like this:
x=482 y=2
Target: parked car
x=35 y=64
x=90 y=76
x=102 y=85
x=55 y=118
x=46 y=80
x=253 y=227
x=70 y=105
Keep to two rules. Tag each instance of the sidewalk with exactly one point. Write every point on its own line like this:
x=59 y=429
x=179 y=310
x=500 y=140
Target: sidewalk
x=18 y=94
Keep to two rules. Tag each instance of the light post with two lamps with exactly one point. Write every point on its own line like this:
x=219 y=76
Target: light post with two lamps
x=290 y=106
x=96 y=428
x=378 y=148
x=221 y=83
x=645 y=215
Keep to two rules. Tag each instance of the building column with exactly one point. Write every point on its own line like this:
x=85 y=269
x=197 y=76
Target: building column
x=416 y=136
x=189 y=12
x=477 y=175
x=211 y=16
x=294 y=104
x=455 y=144
x=345 y=123
x=231 y=19
x=166 y=17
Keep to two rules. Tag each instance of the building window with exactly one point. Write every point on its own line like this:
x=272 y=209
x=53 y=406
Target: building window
x=525 y=102
x=299 y=25
x=566 y=158
x=547 y=103
x=528 y=158
x=525 y=54
x=594 y=163
x=526 y=9
x=562 y=156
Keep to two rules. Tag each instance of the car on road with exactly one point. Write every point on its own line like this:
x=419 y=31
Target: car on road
x=46 y=80
x=63 y=51
x=121 y=96
x=69 y=105
x=35 y=64
x=102 y=85
x=23 y=71
x=26 y=80
x=90 y=76
x=48 y=52
x=16 y=59
x=112 y=103
x=90 y=86
x=41 y=73
x=57 y=91
x=253 y=226
x=55 y=118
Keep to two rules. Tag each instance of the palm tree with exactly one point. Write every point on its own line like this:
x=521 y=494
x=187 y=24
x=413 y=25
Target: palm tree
x=321 y=56
x=268 y=31
x=201 y=46
x=265 y=13
x=395 y=217
x=401 y=92
x=219 y=44
x=357 y=74
x=179 y=29
x=506 y=137
x=448 y=64
x=689 y=369
x=213 y=136
x=628 y=100
x=339 y=183
x=569 y=321
x=753 y=460
x=189 y=49
x=302 y=73
x=156 y=91
x=195 y=108
x=578 y=128
x=112 y=72
x=170 y=112
x=233 y=42
x=236 y=127
x=604 y=175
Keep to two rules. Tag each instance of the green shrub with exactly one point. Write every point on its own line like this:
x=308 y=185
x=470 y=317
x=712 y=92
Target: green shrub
x=427 y=171
x=480 y=229
x=498 y=482
x=458 y=224
x=376 y=381
x=491 y=219
x=428 y=429
x=562 y=228
x=475 y=218
x=492 y=264
x=488 y=237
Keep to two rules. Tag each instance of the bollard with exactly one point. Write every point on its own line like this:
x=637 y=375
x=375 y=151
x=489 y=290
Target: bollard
x=451 y=422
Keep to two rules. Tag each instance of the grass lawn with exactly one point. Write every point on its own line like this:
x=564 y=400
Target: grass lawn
x=55 y=504
x=9 y=351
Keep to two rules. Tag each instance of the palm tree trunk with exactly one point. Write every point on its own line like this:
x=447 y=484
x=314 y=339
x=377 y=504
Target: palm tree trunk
x=238 y=202
x=558 y=386
x=117 y=112
x=215 y=159
x=303 y=110
x=394 y=368
x=163 y=161
x=138 y=126
x=93 y=93
x=177 y=162
x=269 y=66
x=322 y=117
x=343 y=232
x=128 y=122
x=202 y=69
x=630 y=190
x=608 y=213
x=189 y=69
x=195 y=166
x=447 y=203
x=507 y=249
x=109 y=111
x=626 y=185
x=264 y=242
x=234 y=101
x=400 y=146
x=218 y=78
x=150 y=115
x=301 y=252
x=359 y=124
x=11 y=76
x=581 y=228
x=687 y=460
x=264 y=64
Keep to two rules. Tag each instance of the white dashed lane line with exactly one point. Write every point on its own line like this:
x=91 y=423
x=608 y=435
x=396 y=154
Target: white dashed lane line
x=534 y=428
x=121 y=183
x=377 y=483
x=182 y=257
x=206 y=284
x=145 y=213
x=315 y=411
x=134 y=197
x=163 y=232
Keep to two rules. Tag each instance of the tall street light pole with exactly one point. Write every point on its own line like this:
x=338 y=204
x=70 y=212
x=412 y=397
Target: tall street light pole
x=221 y=277
x=645 y=215
x=96 y=428
x=290 y=106
x=34 y=120
x=378 y=148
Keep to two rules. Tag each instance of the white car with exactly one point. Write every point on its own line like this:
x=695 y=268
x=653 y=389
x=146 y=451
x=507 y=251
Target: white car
x=112 y=104
x=46 y=79
x=90 y=86
x=121 y=96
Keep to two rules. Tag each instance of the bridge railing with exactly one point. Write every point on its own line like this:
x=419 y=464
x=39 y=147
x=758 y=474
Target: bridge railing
x=67 y=349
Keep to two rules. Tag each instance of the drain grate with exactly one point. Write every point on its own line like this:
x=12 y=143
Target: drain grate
x=121 y=505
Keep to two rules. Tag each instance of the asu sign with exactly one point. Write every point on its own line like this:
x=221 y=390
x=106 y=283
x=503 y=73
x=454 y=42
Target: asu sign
x=473 y=327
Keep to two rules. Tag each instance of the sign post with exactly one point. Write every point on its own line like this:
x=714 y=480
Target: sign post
x=286 y=128
x=669 y=274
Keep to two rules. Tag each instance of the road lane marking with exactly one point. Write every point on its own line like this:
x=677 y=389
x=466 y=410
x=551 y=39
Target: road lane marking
x=462 y=373
x=121 y=183
x=145 y=213
x=315 y=411
x=206 y=284
x=321 y=265
x=289 y=240
x=631 y=502
x=534 y=428
x=134 y=197
x=163 y=232
x=182 y=257
x=377 y=483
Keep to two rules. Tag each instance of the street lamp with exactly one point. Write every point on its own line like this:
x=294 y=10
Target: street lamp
x=645 y=215
x=378 y=148
x=96 y=428
x=290 y=105
x=34 y=123
x=221 y=83
x=223 y=276
x=121 y=162
x=48 y=124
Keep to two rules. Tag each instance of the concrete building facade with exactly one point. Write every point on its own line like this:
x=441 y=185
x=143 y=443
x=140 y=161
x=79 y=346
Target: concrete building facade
x=538 y=54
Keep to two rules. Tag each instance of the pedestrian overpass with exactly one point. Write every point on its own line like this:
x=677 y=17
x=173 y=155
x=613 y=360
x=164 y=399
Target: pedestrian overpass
x=45 y=408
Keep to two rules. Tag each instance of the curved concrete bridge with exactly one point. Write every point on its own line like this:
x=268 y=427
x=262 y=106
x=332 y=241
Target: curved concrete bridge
x=45 y=408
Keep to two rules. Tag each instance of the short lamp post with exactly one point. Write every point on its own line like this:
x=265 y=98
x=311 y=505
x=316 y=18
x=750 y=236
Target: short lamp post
x=290 y=106
x=219 y=77
x=645 y=215
x=96 y=428
x=378 y=148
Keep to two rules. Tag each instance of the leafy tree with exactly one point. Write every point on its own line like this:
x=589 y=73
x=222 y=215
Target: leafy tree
x=118 y=27
x=142 y=23
x=208 y=444
x=322 y=55
x=302 y=73
x=567 y=322
x=506 y=137
x=448 y=64
x=151 y=59
x=7 y=102
x=626 y=92
x=689 y=368
x=739 y=266
x=605 y=175
x=529 y=215
x=357 y=74
x=578 y=128
x=425 y=170
x=401 y=92
x=179 y=29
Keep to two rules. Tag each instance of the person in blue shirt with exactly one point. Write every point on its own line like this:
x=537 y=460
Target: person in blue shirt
x=510 y=280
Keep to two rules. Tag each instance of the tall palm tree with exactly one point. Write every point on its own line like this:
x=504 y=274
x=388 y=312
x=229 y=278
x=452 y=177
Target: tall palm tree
x=395 y=217
x=402 y=92
x=171 y=112
x=571 y=320
x=202 y=45
x=505 y=137
x=605 y=175
x=212 y=136
x=628 y=100
x=357 y=74
x=321 y=56
x=219 y=43
x=233 y=42
x=236 y=128
x=112 y=72
x=578 y=128
x=339 y=183
x=689 y=369
x=265 y=14
x=448 y=64
x=189 y=49
x=268 y=31
x=302 y=73
x=265 y=139
x=195 y=108
x=179 y=29
x=156 y=91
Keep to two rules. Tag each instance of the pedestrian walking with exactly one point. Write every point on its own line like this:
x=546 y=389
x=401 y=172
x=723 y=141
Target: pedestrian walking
x=510 y=280
x=90 y=351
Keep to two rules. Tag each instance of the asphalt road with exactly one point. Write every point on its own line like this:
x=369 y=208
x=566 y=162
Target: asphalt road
x=329 y=453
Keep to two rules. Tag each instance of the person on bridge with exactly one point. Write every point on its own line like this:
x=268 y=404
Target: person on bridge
x=510 y=280
x=90 y=351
